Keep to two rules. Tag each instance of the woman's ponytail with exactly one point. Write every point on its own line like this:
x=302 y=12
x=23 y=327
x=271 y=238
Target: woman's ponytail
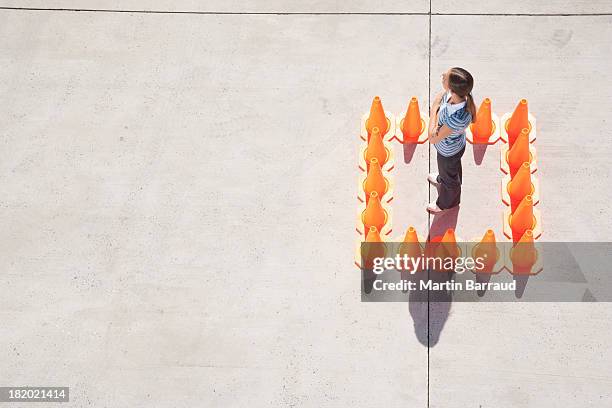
x=461 y=82
x=471 y=106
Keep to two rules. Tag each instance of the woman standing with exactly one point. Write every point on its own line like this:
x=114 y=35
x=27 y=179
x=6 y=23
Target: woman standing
x=451 y=113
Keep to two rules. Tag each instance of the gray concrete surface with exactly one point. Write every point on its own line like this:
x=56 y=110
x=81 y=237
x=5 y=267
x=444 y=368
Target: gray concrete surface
x=179 y=198
x=522 y=6
x=542 y=354
x=178 y=207
x=234 y=6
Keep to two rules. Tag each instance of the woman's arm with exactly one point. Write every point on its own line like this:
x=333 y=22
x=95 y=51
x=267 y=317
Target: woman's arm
x=440 y=134
x=435 y=107
x=438 y=98
x=433 y=123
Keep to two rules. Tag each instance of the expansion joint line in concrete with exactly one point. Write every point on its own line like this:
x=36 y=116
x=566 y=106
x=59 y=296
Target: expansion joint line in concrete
x=298 y=13
x=429 y=185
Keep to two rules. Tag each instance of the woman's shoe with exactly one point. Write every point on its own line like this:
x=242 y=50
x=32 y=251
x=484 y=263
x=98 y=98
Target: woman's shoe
x=433 y=179
x=433 y=208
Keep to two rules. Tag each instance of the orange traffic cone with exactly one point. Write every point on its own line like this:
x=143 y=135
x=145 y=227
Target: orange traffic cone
x=519 y=153
x=411 y=124
x=374 y=215
x=486 y=249
x=376 y=148
x=377 y=118
x=482 y=128
x=517 y=122
x=411 y=246
x=375 y=181
x=372 y=248
x=450 y=242
x=520 y=186
x=373 y=235
x=524 y=254
x=522 y=219
x=411 y=236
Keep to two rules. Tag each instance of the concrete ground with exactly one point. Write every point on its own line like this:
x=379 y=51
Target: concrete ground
x=179 y=198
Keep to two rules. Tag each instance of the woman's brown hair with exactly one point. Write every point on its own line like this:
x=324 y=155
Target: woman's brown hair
x=461 y=82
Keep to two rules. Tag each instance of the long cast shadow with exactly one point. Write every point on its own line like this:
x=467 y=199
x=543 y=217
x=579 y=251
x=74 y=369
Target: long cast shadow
x=430 y=309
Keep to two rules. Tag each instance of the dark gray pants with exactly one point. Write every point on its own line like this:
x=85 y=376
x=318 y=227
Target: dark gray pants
x=449 y=177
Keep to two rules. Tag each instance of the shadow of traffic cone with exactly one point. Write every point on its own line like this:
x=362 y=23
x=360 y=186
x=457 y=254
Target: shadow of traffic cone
x=412 y=125
x=376 y=149
x=524 y=255
x=512 y=159
x=517 y=122
x=377 y=118
x=375 y=181
x=374 y=215
x=484 y=130
x=488 y=252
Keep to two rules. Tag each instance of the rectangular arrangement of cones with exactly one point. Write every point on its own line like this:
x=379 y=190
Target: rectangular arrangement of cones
x=519 y=187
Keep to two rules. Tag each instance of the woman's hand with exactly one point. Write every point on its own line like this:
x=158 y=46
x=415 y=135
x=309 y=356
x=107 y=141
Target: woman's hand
x=439 y=134
x=435 y=105
x=438 y=98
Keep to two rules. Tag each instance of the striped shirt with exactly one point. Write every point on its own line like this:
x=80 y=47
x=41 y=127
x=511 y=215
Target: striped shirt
x=458 y=118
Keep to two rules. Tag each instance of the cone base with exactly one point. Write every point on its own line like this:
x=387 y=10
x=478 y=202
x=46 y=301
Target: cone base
x=505 y=119
x=535 y=194
x=423 y=137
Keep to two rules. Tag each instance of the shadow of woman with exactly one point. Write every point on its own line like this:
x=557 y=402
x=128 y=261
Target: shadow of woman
x=430 y=309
